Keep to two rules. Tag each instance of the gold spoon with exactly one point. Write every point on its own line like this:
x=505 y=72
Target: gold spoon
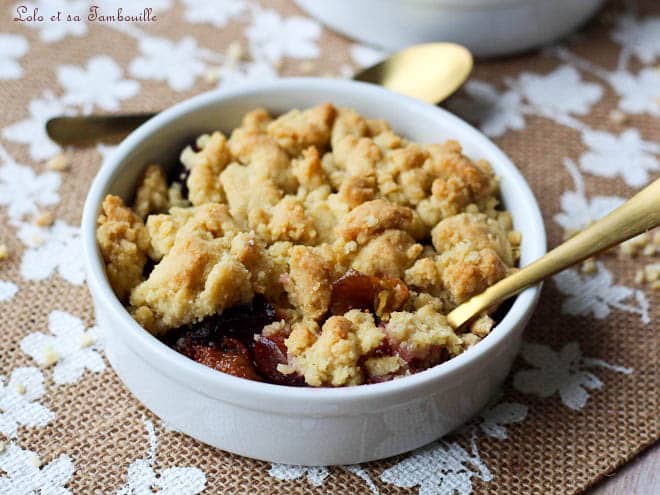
x=639 y=214
x=430 y=72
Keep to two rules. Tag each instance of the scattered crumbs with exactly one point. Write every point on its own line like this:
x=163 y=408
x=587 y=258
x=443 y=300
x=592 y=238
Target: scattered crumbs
x=58 y=163
x=36 y=240
x=86 y=340
x=50 y=356
x=307 y=67
x=633 y=246
x=4 y=251
x=618 y=117
x=36 y=461
x=44 y=219
x=212 y=76
x=20 y=389
x=235 y=53
x=652 y=272
x=650 y=249
x=589 y=266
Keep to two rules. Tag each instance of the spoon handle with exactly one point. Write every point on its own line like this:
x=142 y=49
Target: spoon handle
x=86 y=129
x=639 y=214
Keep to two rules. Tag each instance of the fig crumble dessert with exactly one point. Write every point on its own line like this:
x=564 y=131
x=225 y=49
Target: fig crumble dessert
x=317 y=248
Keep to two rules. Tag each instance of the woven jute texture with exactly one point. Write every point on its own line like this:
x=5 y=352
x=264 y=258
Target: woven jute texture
x=556 y=449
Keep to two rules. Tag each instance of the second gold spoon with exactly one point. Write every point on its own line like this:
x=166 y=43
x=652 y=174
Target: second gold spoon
x=637 y=215
x=430 y=72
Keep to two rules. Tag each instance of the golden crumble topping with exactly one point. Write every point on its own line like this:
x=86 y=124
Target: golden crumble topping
x=152 y=195
x=333 y=357
x=124 y=242
x=205 y=167
x=317 y=247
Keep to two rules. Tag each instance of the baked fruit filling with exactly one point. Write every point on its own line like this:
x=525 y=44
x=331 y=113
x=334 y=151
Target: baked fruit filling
x=317 y=248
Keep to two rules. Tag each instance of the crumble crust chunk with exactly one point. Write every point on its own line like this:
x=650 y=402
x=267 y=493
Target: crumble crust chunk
x=339 y=245
x=152 y=195
x=124 y=242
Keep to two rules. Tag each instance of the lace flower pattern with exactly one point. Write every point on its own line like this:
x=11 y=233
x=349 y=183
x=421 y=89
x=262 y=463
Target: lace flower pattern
x=217 y=13
x=627 y=155
x=640 y=93
x=639 y=37
x=440 y=468
x=24 y=192
x=32 y=129
x=184 y=61
x=273 y=37
x=98 y=84
x=12 y=48
x=7 y=290
x=597 y=295
x=143 y=477
x=495 y=418
x=577 y=210
x=566 y=372
x=561 y=91
x=50 y=250
x=315 y=475
x=19 y=404
x=71 y=348
x=26 y=476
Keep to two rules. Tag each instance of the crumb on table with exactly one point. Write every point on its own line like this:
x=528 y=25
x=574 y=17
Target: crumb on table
x=44 y=219
x=4 y=251
x=58 y=163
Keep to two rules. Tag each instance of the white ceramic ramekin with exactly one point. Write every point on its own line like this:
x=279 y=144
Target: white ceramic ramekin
x=304 y=425
x=486 y=27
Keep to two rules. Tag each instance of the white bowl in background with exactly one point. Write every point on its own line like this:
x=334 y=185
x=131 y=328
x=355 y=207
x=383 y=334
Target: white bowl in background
x=304 y=425
x=486 y=27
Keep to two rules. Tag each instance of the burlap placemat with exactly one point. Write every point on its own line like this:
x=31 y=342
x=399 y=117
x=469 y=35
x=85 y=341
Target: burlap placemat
x=581 y=122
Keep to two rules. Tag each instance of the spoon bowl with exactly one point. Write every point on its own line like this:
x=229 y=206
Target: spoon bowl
x=430 y=72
